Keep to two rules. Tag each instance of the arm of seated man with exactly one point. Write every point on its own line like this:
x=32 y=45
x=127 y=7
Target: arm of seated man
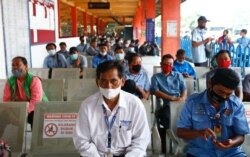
x=143 y=94
x=163 y=95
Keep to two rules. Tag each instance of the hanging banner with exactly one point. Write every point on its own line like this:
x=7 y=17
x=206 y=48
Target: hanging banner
x=59 y=125
x=150 y=30
x=42 y=21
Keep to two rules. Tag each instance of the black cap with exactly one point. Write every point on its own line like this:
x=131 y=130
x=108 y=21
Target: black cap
x=103 y=44
x=203 y=18
x=226 y=77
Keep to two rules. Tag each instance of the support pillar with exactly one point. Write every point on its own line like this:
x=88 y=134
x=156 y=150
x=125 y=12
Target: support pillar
x=170 y=26
x=85 y=23
x=74 y=21
x=91 y=25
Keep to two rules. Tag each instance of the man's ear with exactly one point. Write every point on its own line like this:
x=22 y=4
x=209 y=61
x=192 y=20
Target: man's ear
x=96 y=81
x=209 y=84
x=123 y=82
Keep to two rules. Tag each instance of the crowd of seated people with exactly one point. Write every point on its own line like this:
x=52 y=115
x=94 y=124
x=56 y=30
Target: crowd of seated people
x=125 y=72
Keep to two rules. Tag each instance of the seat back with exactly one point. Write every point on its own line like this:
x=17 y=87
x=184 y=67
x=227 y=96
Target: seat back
x=2 y=84
x=53 y=88
x=202 y=84
x=247 y=112
x=80 y=89
x=65 y=73
x=190 y=84
x=246 y=145
x=175 y=109
x=237 y=69
x=157 y=69
x=89 y=59
x=13 y=120
x=40 y=72
x=89 y=73
x=201 y=71
x=53 y=127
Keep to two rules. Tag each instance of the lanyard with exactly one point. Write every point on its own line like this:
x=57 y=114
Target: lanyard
x=109 y=125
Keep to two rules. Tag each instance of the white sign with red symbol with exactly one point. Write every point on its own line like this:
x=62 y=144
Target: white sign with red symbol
x=59 y=125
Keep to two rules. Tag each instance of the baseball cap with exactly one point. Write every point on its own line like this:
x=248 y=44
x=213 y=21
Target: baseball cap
x=203 y=18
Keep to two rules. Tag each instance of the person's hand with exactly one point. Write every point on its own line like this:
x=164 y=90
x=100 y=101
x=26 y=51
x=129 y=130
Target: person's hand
x=207 y=40
x=206 y=133
x=185 y=75
x=78 y=62
x=225 y=144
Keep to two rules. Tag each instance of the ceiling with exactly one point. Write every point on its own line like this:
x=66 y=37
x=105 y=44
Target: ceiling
x=121 y=11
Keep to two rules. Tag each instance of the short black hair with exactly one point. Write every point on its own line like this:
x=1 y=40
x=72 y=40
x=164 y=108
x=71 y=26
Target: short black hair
x=82 y=36
x=180 y=52
x=73 y=49
x=226 y=77
x=105 y=66
x=223 y=51
x=167 y=56
x=131 y=56
x=244 y=31
x=226 y=31
x=49 y=44
x=118 y=48
x=62 y=43
x=23 y=59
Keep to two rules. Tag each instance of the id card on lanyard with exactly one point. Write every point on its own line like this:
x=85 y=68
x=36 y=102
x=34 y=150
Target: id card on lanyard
x=109 y=125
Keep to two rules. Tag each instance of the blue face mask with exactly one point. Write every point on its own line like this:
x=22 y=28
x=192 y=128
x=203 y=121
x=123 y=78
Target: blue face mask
x=180 y=62
x=74 y=56
x=119 y=56
x=17 y=72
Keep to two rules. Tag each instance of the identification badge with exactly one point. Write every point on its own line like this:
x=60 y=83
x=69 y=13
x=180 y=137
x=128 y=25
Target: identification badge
x=217 y=131
x=109 y=154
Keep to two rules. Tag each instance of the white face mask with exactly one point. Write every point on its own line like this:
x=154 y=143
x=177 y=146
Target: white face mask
x=103 y=53
x=110 y=93
x=180 y=62
x=52 y=52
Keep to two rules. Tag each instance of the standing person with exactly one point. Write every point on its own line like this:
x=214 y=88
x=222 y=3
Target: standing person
x=54 y=60
x=76 y=60
x=63 y=50
x=223 y=60
x=24 y=86
x=199 y=41
x=224 y=39
x=169 y=86
x=138 y=75
x=243 y=41
x=182 y=66
x=82 y=47
x=111 y=123
x=213 y=122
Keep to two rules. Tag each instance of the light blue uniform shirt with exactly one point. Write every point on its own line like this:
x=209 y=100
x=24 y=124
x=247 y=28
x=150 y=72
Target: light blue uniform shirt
x=196 y=115
x=55 y=61
x=83 y=64
x=173 y=84
x=141 y=79
x=100 y=59
x=184 y=68
x=243 y=41
x=82 y=47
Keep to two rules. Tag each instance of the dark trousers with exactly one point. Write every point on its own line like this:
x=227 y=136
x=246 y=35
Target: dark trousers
x=30 y=118
x=204 y=64
x=189 y=155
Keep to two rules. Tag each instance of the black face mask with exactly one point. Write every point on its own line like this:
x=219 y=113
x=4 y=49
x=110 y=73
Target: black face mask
x=136 y=68
x=216 y=98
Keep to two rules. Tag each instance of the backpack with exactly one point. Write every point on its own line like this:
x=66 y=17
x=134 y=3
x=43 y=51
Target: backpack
x=5 y=150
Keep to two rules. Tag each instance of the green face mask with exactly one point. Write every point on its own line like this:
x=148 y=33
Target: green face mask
x=74 y=56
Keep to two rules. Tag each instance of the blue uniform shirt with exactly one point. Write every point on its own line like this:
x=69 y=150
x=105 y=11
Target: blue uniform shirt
x=184 y=68
x=141 y=79
x=100 y=59
x=55 y=61
x=172 y=84
x=198 y=114
x=243 y=41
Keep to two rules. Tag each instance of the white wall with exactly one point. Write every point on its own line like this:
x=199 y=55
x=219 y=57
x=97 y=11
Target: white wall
x=38 y=52
x=2 y=54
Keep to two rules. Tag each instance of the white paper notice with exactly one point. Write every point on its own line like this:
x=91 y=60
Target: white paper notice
x=172 y=28
x=59 y=125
